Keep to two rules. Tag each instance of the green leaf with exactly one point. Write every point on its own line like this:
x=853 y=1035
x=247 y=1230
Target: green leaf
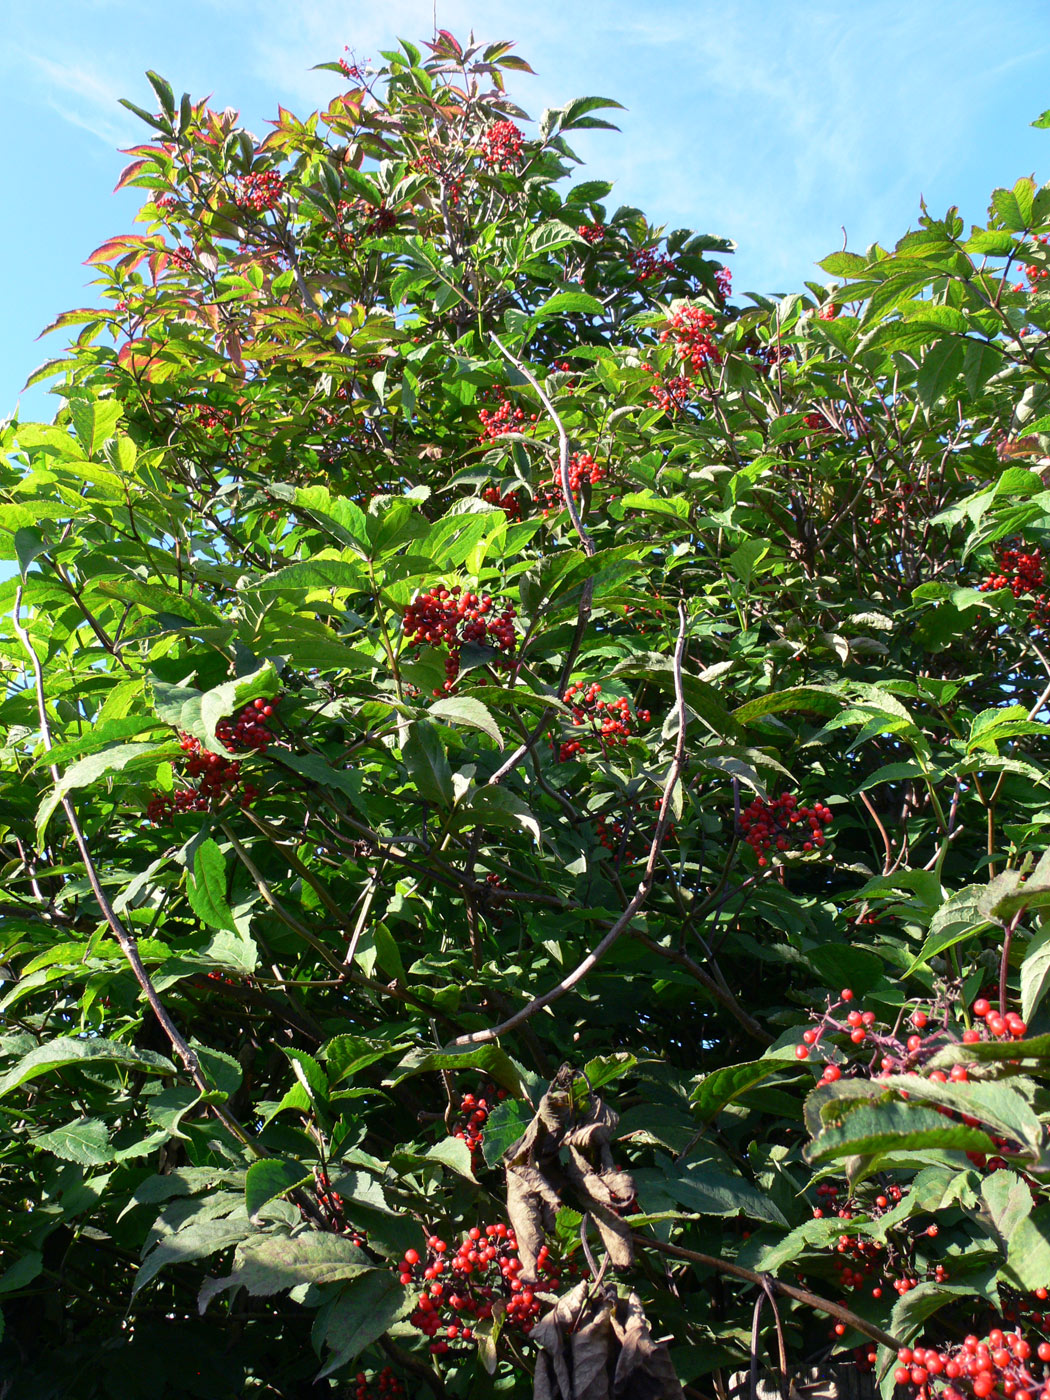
x=95 y=420
x=490 y=1059
x=346 y=1054
x=722 y=1086
x=811 y=698
x=313 y=574
x=365 y=1308
x=941 y=366
x=85 y=1141
x=499 y=806
x=207 y=887
x=506 y=1123
x=453 y=1152
x=86 y=771
x=277 y=1263
x=67 y=1051
x=1035 y=972
x=464 y=709
x=1028 y=1256
x=894 y=1127
x=269 y=1178
x=427 y=764
x=1007 y=1201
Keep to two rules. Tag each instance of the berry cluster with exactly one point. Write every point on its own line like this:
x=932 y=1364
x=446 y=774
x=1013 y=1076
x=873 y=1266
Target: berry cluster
x=505 y=419
x=816 y=423
x=724 y=282
x=183 y=259
x=828 y=311
x=1001 y=1365
x=783 y=824
x=213 y=777
x=610 y=721
x=248 y=729
x=331 y=1204
x=448 y=617
x=591 y=233
x=509 y=503
x=451 y=185
x=483 y=1269
x=583 y=470
x=1022 y=572
x=260 y=192
x=905 y=1050
x=647 y=263
x=501 y=145
x=877 y=1262
x=688 y=330
x=671 y=395
x=474 y=1109
x=351 y=70
x=383 y=1386
x=1034 y=272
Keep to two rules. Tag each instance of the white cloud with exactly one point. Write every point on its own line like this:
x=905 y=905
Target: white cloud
x=85 y=99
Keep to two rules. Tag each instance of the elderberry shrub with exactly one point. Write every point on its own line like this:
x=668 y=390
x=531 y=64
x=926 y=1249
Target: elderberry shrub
x=208 y=779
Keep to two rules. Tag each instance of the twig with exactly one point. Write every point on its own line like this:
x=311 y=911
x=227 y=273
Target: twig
x=801 y=1295
x=644 y=887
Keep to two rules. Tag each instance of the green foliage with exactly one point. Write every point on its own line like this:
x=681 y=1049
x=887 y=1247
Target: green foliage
x=300 y=737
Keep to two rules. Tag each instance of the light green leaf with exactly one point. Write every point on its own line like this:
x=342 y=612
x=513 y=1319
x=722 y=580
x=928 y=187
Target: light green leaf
x=66 y=1051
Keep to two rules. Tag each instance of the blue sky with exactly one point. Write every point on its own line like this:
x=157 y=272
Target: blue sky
x=772 y=122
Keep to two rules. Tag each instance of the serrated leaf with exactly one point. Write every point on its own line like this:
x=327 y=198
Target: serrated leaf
x=65 y=1051
x=464 y=709
x=207 y=887
x=85 y=1141
x=427 y=764
x=365 y=1308
x=269 y=1178
x=277 y=1263
x=453 y=1152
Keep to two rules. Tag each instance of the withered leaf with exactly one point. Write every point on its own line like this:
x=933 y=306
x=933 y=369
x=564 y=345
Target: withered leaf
x=597 y=1346
x=566 y=1150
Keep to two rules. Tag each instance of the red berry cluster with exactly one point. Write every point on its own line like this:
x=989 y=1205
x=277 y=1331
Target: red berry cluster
x=474 y=1109
x=583 y=470
x=1004 y=1364
x=1034 y=272
x=647 y=263
x=509 y=503
x=449 y=617
x=331 y=1204
x=1009 y=1026
x=610 y=721
x=783 y=824
x=904 y=1051
x=451 y=184
x=671 y=394
x=829 y=311
x=212 y=420
x=214 y=777
x=816 y=423
x=351 y=70
x=383 y=1386
x=260 y=192
x=248 y=729
x=183 y=258
x=724 y=282
x=483 y=1269
x=591 y=233
x=1022 y=572
x=501 y=145
x=688 y=329
x=504 y=419
x=878 y=1262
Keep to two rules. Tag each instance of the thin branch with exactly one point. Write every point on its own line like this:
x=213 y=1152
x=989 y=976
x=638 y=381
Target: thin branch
x=644 y=887
x=801 y=1295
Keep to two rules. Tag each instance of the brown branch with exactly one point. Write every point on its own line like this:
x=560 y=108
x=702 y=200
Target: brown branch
x=801 y=1295
x=644 y=887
